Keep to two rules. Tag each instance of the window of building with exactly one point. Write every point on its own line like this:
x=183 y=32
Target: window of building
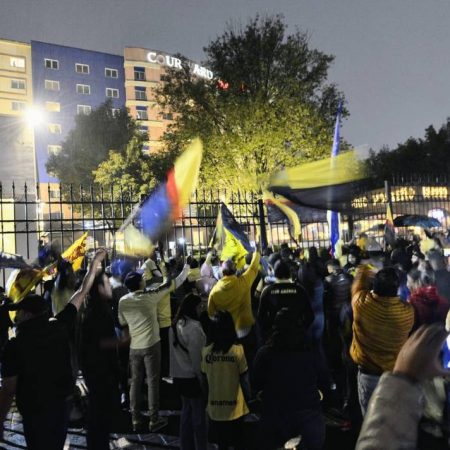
x=139 y=73
x=115 y=111
x=54 y=128
x=15 y=61
x=55 y=194
x=146 y=148
x=51 y=64
x=18 y=106
x=18 y=84
x=112 y=93
x=51 y=85
x=54 y=149
x=167 y=116
x=83 y=89
x=111 y=73
x=84 y=109
x=141 y=112
x=52 y=106
x=140 y=93
x=81 y=68
x=144 y=130
x=164 y=77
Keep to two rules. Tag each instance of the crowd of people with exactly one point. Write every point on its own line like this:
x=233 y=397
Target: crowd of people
x=284 y=334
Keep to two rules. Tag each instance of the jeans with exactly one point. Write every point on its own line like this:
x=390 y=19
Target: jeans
x=47 y=429
x=147 y=362
x=192 y=424
x=366 y=386
x=165 y=351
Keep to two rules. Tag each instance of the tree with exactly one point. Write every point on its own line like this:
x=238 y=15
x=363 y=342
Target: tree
x=427 y=156
x=132 y=169
x=89 y=143
x=269 y=106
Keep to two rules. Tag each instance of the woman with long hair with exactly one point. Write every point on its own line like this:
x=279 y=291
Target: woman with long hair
x=186 y=341
x=226 y=381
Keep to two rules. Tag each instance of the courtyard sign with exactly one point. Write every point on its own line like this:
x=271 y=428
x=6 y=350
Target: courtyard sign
x=172 y=61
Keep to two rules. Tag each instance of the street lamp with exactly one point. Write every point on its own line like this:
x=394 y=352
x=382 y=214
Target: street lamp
x=34 y=116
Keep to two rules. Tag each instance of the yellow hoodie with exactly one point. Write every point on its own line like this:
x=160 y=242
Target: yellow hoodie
x=232 y=294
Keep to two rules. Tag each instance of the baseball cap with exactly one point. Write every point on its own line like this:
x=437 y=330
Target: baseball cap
x=32 y=303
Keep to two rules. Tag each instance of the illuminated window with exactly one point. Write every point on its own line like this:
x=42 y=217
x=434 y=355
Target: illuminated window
x=112 y=93
x=54 y=128
x=84 y=109
x=52 y=106
x=51 y=64
x=111 y=73
x=18 y=84
x=140 y=93
x=83 y=89
x=51 y=85
x=81 y=68
x=115 y=111
x=54 y=149
x=54 y=194
x=18 y=106
x=17 y=62
x=139 y=73
x=141 y=112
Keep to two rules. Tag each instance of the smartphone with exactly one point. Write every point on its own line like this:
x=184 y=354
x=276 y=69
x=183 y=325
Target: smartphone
x=446 y=353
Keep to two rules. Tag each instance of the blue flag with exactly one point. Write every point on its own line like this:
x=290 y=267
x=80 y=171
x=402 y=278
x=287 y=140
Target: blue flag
x=334 y=217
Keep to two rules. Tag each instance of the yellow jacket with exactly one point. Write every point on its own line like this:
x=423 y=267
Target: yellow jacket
x=381 y=325
x=232 y=294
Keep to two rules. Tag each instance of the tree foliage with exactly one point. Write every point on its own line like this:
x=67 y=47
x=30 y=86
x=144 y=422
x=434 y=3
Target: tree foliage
x=132 y=169
x=89 y=143
x=269 y=106
x=427 y=156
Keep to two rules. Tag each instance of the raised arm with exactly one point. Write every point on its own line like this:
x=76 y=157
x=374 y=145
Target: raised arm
x=362 y=282
x=79 y=296
x=252 y=270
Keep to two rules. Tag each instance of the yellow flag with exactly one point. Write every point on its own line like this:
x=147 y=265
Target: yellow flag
x=21 y=282
x=75 y=253
x=132 y=242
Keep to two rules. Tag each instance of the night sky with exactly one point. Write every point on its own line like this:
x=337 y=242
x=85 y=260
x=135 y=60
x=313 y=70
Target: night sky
x=391 y=56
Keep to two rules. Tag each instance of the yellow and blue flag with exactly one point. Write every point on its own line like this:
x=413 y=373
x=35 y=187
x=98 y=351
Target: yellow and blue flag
x=280 y=209
x=229 y=238
x=164 y=205
x=389 y=228
x=324 y=184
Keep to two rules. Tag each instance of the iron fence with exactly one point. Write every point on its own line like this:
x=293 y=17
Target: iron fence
x=62 y=214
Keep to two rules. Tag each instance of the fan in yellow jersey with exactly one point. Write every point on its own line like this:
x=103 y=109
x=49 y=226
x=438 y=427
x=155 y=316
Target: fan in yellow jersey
x=225 y=372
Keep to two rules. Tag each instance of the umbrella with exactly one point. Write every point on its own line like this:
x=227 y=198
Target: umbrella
x=416 y=220
x=377 y=227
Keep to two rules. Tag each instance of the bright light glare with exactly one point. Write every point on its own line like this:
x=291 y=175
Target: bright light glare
x=181 y=240
x=34 y=116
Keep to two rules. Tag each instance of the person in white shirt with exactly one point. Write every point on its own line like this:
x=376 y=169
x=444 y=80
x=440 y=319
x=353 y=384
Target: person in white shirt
x=187 y=339
x=138 y=312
